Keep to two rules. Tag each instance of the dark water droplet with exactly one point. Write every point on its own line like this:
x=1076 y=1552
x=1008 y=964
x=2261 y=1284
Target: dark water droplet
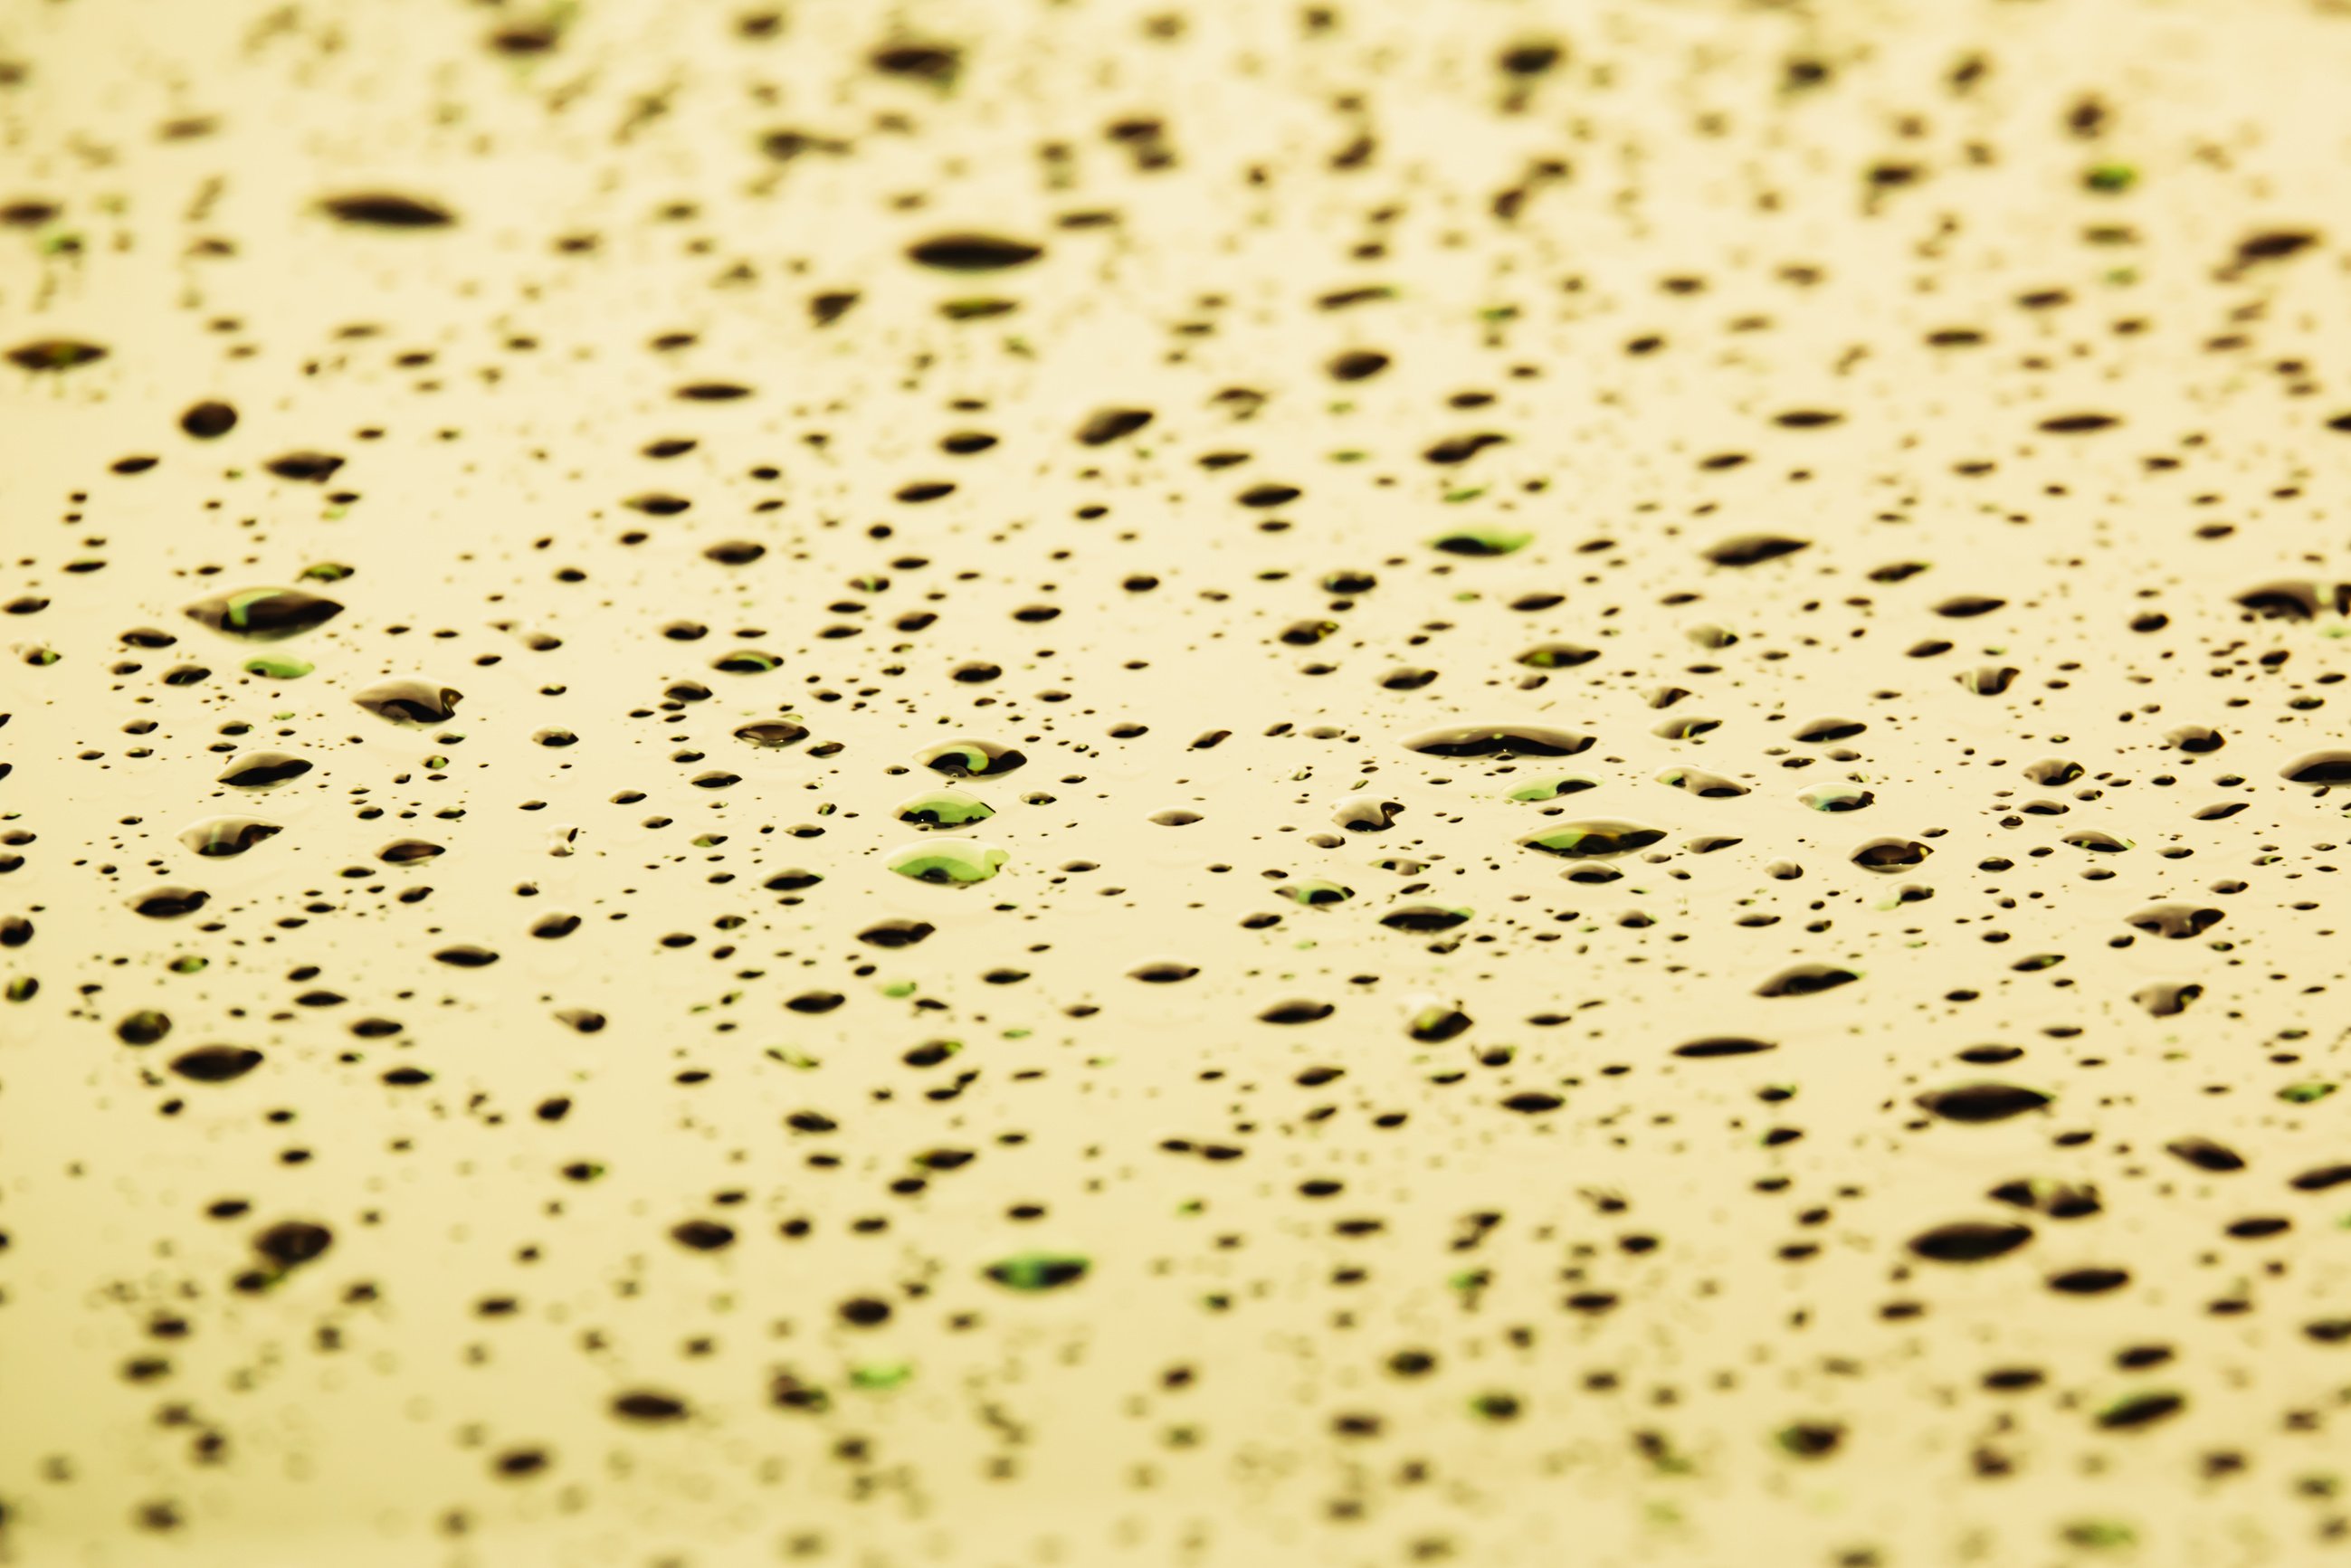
x=388 y=210
x=263 y=770
x=145 y=1026
x=1983 y=1102
x=170 y=902
x=1107 y=424
x=1967 y=606
x=771 y=733
x=55 y=354
x=1034 y=1271
x=215 y=1063
x=2319 y=768
x=466 y=956
x=407 y=851
x=1838 y=798
x=1890 y=854
x=2092 y=1282
x=1367 y=814
x=227 y=835
x=410 y=703
x=2274 y=245
x=1806 y=980
x=1969 y=1242
x=1593 y=839
x=895 y=933
x=1753 y=550
x=1434 y=1026
x=944 y=808
x=2057 y=1199
x=1423 y=917
x=971 y=759
x=1481 y=542
x=292 y=1242
x=209 y=420
x=703 y=1235
x=304 y=467
x=2168 y=999
x=2176 y=922
x=648 y=1409
x=2319 y=1179
x=1704 y=785
x=1988 y=680
x=973 y=252
x=1499 y=741
x=1723 y=1045
x=263 y=614
x=2206 y=1154
x=2141 y=1410
x=2295 y=599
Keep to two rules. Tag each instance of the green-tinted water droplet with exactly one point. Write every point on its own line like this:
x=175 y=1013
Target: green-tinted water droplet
x=1593 y=839
x=1490 y=539
x=263 y=614
x=959 y=862
x=1034 y=1271
x=944 y=808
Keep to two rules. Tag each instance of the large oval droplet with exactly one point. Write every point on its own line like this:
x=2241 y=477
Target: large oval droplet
x=227 y=835
x=386 y=210
x=956 y=863
x=971 y=759
x=944 y=808
x=263 y=614
x=1498 y=740
x=412 y=703
x=1983 y=1102
x=973 y=252
x=263 y=770
x=1594 y=839
x=1033 y=1271
x=1890 y=854
x=1806 y=980
x=215 y=1063
x=1969 y=1242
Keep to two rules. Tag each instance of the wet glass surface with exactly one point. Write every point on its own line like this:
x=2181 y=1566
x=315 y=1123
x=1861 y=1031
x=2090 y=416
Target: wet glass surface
x=1066 y=784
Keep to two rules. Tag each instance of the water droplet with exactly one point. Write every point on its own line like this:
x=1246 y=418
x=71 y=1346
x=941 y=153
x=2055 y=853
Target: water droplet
x=263 y=614
x=956 y=862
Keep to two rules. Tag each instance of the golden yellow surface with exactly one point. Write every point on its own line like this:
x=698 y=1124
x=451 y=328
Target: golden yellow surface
x=1409 y=481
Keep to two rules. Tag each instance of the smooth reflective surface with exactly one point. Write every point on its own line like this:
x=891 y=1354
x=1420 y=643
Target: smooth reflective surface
x=788 y=784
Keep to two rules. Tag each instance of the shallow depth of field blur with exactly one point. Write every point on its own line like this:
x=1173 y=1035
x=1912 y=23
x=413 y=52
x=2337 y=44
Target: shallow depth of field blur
x=1014 y=783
